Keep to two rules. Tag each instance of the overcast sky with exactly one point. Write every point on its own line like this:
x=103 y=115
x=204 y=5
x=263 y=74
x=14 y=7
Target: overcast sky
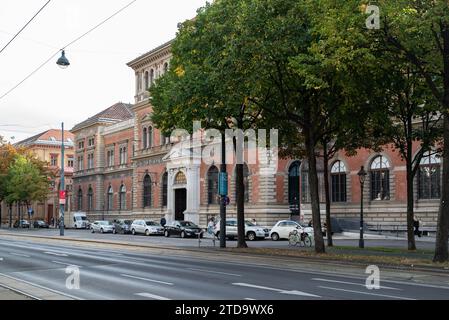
x=98 y=76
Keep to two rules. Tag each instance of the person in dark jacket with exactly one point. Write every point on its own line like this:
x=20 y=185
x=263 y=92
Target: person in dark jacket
x=163 y=221
x=416 y=226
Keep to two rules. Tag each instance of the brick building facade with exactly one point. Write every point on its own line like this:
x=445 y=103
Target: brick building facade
x=125 y=168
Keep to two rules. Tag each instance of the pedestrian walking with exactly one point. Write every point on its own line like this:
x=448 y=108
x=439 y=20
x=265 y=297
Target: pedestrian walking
x=254 y=221
x=163 y=221
x=53 y=222
x=416 y=225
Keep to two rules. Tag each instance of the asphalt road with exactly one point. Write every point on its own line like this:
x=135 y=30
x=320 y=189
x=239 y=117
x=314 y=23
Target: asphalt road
x=425 y=243
x=107 y=274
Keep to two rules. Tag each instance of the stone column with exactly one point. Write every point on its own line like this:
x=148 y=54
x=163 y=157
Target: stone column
x=170 y=215
x=193 y=194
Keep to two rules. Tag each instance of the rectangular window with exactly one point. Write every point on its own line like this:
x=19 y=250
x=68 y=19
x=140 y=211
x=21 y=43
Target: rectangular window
x=80 y=163
x=123 y=155
x=54 y=160
x=110 y=156
x=338 y=187
x=70 y=163
x=380 y=185
x=91 y=142
x=81 y=145
x=90 y=161
x=429 y=182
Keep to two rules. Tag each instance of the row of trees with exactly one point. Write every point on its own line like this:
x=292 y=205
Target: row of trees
x=313 y=70
x=23 y=178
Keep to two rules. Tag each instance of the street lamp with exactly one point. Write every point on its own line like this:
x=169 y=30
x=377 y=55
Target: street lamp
x=362 y=177
x=63 y=62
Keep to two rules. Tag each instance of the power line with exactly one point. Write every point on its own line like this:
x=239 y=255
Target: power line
x=64 y=47
x=15 y=36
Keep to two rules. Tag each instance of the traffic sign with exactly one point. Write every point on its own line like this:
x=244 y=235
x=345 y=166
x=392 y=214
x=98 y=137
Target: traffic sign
x=223 y=184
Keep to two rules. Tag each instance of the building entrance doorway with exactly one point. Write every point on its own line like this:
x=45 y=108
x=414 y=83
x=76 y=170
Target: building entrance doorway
x=180 y=203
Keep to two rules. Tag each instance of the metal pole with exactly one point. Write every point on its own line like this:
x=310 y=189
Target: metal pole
x=223 y=198
x=62 y=188
x=361 y=240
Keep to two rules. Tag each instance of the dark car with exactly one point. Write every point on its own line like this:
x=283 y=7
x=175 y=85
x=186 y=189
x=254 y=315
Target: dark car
x=183 y=229
x=122 y=226
x=25 y=224
x=40 y=224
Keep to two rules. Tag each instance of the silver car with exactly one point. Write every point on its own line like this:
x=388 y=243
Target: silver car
x=147 y=227
x=102 y=227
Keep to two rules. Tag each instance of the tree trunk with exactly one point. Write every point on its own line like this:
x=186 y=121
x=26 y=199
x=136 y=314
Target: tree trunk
x=314 y=196
x=441 y=245
x=240 y=189
x=240 y=207
x=1 y=214
x=328 y=200
x=10 y=215
x=410 y=210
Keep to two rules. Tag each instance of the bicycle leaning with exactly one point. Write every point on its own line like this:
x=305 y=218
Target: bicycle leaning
x=299 y=237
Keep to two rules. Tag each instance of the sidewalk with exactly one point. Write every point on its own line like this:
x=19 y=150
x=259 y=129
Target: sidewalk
x=7 y=294
x=369 y=236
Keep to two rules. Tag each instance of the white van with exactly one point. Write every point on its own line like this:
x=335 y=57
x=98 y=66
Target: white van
x=76 y=220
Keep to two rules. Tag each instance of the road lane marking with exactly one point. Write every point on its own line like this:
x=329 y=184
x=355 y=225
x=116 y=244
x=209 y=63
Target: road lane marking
x=19 y=254
x=66 y=264
x=56 y=254
x=146 y=279
x=291 y=292
x=352 y=283
x=367 y=293
x=152 y=296
x=217 y=272
x=249 y=299
x=42 y=287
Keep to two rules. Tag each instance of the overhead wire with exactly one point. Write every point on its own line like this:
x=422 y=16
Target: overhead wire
x=64 y=47
x=29 y=21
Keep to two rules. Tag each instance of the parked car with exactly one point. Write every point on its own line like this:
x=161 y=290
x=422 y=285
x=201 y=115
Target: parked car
x=183 y=229
x=25 y=224
x=252 y=231
x=146 y=227
x=282 y=229
x=102 y=226
x=40 y=224
x=122 y=226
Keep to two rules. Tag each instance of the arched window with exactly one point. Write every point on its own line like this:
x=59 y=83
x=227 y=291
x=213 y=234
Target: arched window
x=80 y=199
x=180 y=178
x=429 y=176
x=147 y=191
x=338 y=180
x=139 y=82
x=212 y=185
x=380 y=179
x=245 y=183
x=164 y=189
x=144 y=138
x=90 y=199
x=293 y=183
x=110 y=198
x=150 y=137
x=146 y=80
x=165 y=67
x=151 y=76
x=122 y=197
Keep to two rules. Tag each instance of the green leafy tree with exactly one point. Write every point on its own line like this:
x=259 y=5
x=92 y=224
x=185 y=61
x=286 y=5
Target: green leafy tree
x=209 y=81
x=27 y=181
x=418 y=31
